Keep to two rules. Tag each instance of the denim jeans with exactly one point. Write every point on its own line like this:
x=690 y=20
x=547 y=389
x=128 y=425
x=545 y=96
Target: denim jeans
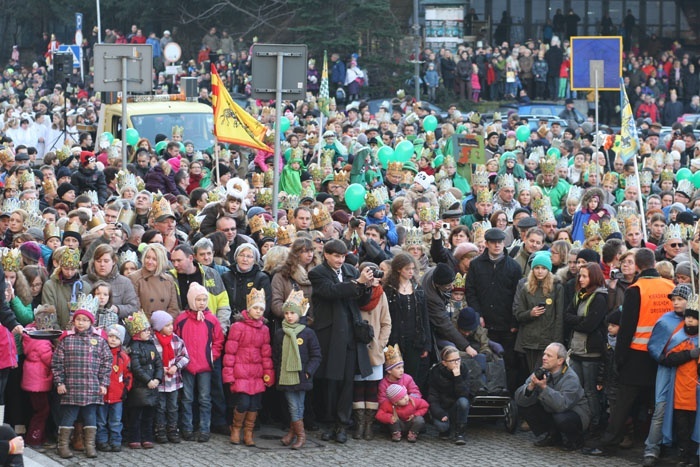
x=218 y=397
x=109 y=423
x=295 y=401
x=587 y=372
x=69 y=414
x=203 y=384
x=166 y=410
x=458 y=414
x=249 y=402
x=652 y=445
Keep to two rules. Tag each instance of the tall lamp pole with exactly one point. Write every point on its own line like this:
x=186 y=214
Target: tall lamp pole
x=416 y=60
x=99 y=24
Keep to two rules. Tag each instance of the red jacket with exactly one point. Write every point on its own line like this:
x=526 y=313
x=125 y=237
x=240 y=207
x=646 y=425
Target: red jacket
x=37 y=376
x=204 y=340
x=406 y=381
x=120 y=378
x=247 y=362
x=415 y=407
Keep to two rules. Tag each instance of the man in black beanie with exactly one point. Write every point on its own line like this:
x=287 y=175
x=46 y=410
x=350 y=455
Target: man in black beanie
x=437 y=284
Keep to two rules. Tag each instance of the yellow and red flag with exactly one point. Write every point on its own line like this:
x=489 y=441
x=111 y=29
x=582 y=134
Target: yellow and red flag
x=232 y=124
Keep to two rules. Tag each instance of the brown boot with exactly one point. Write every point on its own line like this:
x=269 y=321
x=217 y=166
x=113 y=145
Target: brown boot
x=89 y=433
x=236 y=427
x=248 y=425
x=289 y=437
x=63 y=444
x=301 y=435
x=78 y=442
x=369 y=424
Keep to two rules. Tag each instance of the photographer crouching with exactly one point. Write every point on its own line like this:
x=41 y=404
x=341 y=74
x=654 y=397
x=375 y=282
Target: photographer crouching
x=553 y=403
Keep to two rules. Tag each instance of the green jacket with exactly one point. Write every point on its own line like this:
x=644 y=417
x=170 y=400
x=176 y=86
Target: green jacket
x=556 y=193
x=218 y=297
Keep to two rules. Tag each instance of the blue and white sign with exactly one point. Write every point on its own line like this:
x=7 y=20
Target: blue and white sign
x=596 y=59
x=78 y=21
x=73 y=49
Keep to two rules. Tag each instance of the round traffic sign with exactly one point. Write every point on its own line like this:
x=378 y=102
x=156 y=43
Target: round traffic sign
x=172 y=52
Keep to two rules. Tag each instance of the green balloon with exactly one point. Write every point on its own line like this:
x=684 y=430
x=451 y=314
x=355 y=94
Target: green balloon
x=160 y=147
x=384 y=154
x=355 y=196
x=430 y=123
x=284 y=124
x=696 y=179
x=403 y=151
x=683 y=174
x=554 y=152
x=437 y=162
x=182 y=148
x=132 y=136
x=109 y=136
x=522 y=133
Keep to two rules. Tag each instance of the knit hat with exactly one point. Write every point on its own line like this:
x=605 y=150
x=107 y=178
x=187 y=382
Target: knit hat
x=542 y=258
x=74 y=234
x=464 y=248
x=681 y=290
x=160 y=318
x=118 y=330
x=31 y=252
x=683 y=268
x=85 y=157
x=36 y=233
x=254 y=211
x=395 y=392
x=614 y=316
x=468 y=319
x=247 y=246
x=64 y=188
x=195 y=291
x=443 y=274
x=688 y=312
x=321 y=197
x=591 y=256
x=85 y=313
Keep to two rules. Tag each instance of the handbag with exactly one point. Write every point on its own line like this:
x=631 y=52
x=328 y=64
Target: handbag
x=363 y=331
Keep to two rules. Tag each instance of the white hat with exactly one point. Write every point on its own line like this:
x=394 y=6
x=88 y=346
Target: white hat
x=166 y=33
x=423 y=179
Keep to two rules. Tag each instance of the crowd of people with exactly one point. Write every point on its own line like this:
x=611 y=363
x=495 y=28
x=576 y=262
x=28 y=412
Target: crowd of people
x=182 y=304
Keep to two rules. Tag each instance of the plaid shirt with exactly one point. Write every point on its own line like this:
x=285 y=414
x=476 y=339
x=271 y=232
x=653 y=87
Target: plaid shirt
x=174 y=382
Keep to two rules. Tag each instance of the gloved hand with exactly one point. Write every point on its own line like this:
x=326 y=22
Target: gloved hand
x=496 y=347
x=695 y=353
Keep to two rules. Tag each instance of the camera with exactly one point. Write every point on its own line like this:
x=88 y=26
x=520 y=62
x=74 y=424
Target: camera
x=616 y=274
x=445 y=226
x=355 y=222
x=541 y=373
x=378 y=273
x=118 y=225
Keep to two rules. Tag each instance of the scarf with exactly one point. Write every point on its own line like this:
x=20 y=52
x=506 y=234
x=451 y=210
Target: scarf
x=168 y=351
x=376 y=295
x=291 y=360
x=612 y=340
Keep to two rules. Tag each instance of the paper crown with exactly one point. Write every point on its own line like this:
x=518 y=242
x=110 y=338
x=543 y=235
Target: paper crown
x=178 y=130
x=506 y=181
x=296 y=303
x=51 y=230
x=459 y=283
x=449 y=161
x=256 y=224
x=26 y=177
x=631 y=181
x=96 y=221
x=70 y=259
x=392 y=357
x=545 y=214
x=693 y=303
x=88 y=302
x=395 y=168
x=372 y=201
x=30 y=205
x=270 y=230
x=479 y=230
x=341 y=176
x=414 y=237
x=686 y=187
x=406 y=222
x=285 y=235
x=677 y=232
x=217 y=194
x=35 y=220
x=63 y=153
x=136 y=323
x=92 y=194
x=610 y=178
x=563 y=163
x=128 y=256
x=524 y=185
x=194 y=222
x=316 y=172
x=125 y=180
x=287 y=201
x=263 y=197
x=667 y=176
x=269 y=177
x=575 y=192
x=320 y=217
x=548 y=165
x=161 y=208
x=73 y=227
x=538 y=203
x=448 y=201
x=327 y=157
x=258 y=180
x=256 y=297
x=632 y=223
x=484 y=196
x=592 y=229
x=382 y=194
x=11 y=259
x=45 y=317
x=480 y=178
x=645 y=178
x=427 y=214
x=50 y=187
x=11 y=183
x=10 y=205
x=609 y=227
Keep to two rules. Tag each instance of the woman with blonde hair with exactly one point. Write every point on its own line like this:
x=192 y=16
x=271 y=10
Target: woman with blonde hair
x=18 y=219
x=154 y=287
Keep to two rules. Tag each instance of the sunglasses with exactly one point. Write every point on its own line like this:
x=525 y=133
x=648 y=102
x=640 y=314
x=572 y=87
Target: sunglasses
x=675 y=245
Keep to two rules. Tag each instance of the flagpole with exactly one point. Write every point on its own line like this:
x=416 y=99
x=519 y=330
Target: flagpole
x=216 y=161
x=639 y=198
x=278 y=136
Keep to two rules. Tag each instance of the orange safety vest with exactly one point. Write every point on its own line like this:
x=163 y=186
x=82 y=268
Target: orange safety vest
x=654 y=302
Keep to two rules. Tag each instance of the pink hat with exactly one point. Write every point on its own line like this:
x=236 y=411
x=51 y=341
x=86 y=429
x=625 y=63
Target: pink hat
x=464 y=248
x=175 y=163
x=195 y=291
x=85 y=313
x=395 y=392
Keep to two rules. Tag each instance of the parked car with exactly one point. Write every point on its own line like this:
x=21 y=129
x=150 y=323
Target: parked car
x=434 y=109
x=548 y=108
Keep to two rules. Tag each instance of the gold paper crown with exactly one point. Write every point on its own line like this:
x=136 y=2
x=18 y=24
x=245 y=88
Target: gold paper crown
x=128 y=256
x=178 y=130
x=285 y=235
x=632 y=223
x=316 y=171
x=320 y=217
x=610 y=178
x=70 y=259
x=592 y=229
x=258 y=180
x=341 y=176
x=609 y=227
x=269 y=177
x=125 y=180
x=287 y=201
x=327 y=157
x=136 y=323
x=63 y=153
x=296 y=303
x=256 y=224
x=414 y=236
x=73 y=227
x=545 y=215
x=51 y=230
x=667 y=175
x=481 y=178
x=35 y=220
x=673 y=231
x=395 y=168
x=448 y=201
x=372 y=201
x=269 y=230
x=307 y=192
x=506 y=181
x=539 y=203
x=217 y=194
x=263 y=197
x=256 y=297
x=484 y=196
x=427 y=214
x=96 y=221
x=449 y=161
x=11 y=259
x=194 y=223
x=50 y=187
x=127 y=216
x=11 y=183
x=88 y=302
x=459 y=282
x=26 y=177
x=407 y=178
x=392 y=356
x=479 y=230
x=161 y=207
x=548 y=165
x=30 y=205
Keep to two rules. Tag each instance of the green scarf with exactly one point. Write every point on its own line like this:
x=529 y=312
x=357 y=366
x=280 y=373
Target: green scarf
x=291 y=360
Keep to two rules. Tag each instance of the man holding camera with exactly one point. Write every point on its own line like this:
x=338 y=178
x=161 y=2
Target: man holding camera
x=553 y=402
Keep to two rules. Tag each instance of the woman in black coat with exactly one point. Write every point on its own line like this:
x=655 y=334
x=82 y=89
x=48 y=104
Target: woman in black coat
x=449 y=394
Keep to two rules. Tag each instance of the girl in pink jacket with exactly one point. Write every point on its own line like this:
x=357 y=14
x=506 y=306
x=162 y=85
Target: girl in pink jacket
x=248 y=366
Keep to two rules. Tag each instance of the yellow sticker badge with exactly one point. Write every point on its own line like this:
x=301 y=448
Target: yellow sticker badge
x=93 y=341
x=116 y=368
x=548 y=301
x=300 y=341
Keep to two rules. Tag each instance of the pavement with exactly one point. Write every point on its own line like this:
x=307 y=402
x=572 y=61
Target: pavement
x=488 y=444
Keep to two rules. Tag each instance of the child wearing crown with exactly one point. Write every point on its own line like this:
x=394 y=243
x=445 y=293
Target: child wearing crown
x=297 y=356
x=81 y=368
x=248 y=366
x=377 y=216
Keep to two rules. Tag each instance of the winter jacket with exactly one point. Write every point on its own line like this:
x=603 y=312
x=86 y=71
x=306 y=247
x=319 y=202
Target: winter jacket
x=120 y=376
x=36 y=375
x=156 y=293
x=218 y=298
x=57 y=292
x=309 y=352
x=156 y=181
x=380 y=320
x=483 y=279
x=439 y=320
x=123 y=294
x=584 y=321
x=239 y=284
x=82 y=361
x=282 y=285
x=171 y=383
x=85 y=180
x=204 y=340
x=554 y=56
x=406 y=381
x=415 y=408
x=445 y=388
x=409 y=328
x=247 y=364
x=146 y=365
x=536 y=333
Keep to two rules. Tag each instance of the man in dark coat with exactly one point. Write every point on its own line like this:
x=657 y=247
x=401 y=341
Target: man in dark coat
x=436 y=283
x=554 y=56
x=338 y=291
x=490 y=290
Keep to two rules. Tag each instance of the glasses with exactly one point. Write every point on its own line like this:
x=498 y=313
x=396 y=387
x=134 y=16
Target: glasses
x=319 y=240
x=675 y=245
x=454 y=360
x=230 y=229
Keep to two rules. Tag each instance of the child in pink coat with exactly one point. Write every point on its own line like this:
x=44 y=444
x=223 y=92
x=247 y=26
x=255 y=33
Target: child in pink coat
x=393 y=366
x=37 y=378
x=248 y=366
x=402 y=413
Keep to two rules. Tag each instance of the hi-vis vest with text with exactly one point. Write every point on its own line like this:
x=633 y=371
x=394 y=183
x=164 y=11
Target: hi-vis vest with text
x=653 y=292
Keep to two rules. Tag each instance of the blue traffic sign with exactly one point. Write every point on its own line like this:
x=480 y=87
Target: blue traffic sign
x=73 y=49
x=596 y=56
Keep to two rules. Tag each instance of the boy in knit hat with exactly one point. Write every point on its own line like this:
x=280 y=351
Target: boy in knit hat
x=174 y=355
x=402 y=413
x=204 y=339
x=109 y=415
